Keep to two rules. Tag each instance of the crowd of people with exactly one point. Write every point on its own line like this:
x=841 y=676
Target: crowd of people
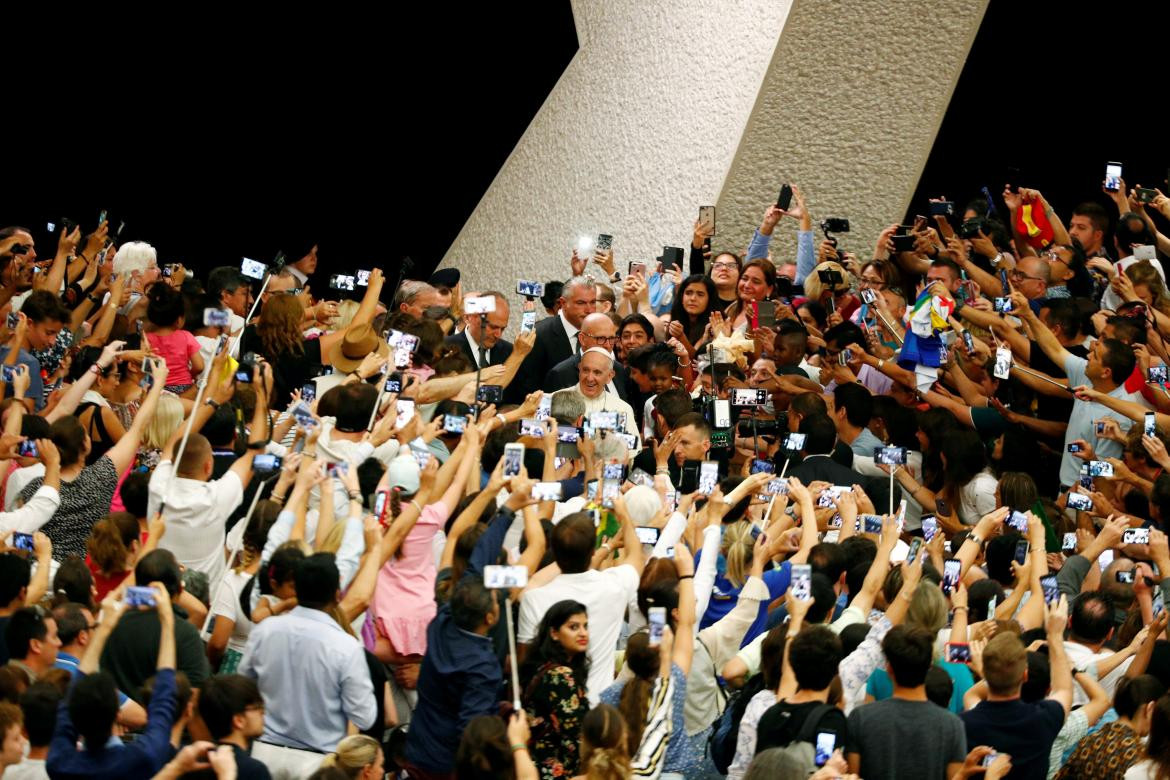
x=778 y=513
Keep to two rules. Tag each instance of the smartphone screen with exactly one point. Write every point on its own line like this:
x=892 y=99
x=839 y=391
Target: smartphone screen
x=1051 y=591
x=513 y=459
x=656 y=618
x=801 y=581
x=708 y=477
x=1151 y=424
x=826 y=744
x=1021 y=555
x=1113 y=176
x=950 y=578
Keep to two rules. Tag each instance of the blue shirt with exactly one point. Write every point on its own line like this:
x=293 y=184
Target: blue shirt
x=313 y=678
x=724 y=596
x=143 y=757
x=73 y=666
x=36 y=386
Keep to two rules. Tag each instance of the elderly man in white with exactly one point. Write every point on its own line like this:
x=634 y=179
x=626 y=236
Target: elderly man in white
x=594 y=372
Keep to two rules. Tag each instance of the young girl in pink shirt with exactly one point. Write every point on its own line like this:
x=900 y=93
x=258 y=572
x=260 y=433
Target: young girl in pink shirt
x=167 y=311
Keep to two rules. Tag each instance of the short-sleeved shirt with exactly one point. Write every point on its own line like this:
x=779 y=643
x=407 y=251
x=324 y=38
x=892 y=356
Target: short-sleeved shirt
x=84 y=501
x=1023 y=730
x=225 y=602
x=36 y=384
x=177 y=348
x=725 y=595
x=882 y=731
x=605 y=594
x=782 y=723
x=197 y=514
x=881 y=688
x=1053 y=407
x=1080 y=422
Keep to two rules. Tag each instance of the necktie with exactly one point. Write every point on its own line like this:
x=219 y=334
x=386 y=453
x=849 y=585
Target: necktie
x=577 y=338
x=483 y=358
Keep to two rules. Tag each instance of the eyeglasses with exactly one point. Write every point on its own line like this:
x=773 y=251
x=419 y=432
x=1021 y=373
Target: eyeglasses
x=602 y=339
x=876 y=284
x=1017 y=274
x=724 y=266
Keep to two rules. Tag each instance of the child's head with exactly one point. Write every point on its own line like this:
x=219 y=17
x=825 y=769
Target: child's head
x=11 y=726
x=661 y=367
x=166 y=308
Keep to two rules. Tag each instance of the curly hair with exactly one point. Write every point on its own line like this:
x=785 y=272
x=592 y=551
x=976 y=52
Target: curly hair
x=280 y=326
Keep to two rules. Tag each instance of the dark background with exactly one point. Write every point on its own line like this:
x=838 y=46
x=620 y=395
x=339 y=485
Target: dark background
x=376 y=137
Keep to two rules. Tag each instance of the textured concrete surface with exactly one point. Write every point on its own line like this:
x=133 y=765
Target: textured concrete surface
x=673 y=104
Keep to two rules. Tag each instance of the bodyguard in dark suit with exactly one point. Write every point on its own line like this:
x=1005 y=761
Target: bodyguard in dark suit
x=820 y=438
x=597 y=330
x=556 y=338
x=485 y=346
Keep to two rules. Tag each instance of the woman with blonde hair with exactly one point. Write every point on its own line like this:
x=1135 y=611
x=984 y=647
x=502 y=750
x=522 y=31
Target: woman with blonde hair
x=159 y=430
x=278 y=339
x=359 y=757
x=831 y=292
x=732 y=572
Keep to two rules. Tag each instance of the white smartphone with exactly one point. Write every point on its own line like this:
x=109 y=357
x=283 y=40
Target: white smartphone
x=505 y=576
x=513 y=459
x=656 y=617
x=708 y=476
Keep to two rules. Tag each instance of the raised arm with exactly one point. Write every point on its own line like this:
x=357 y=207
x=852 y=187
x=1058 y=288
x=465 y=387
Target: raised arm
x=684 y=637
x=122 y=454
x=1044 y=337
x=808 y=522
x=69 y=402
x=1060 y=668
x=364 y=315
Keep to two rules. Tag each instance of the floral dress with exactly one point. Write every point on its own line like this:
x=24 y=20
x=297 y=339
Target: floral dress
x=556 y=705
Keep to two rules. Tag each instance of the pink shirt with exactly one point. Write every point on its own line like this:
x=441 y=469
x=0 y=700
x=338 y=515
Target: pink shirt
x=177 y=349
x=404 y=599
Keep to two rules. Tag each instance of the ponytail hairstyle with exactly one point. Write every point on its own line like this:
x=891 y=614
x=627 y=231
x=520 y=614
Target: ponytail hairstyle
x=603 y=744
x=256 y=533
x=737 y=549
x=353 y=754
x=110 y=542
x=484 y=752
x=644 y=661
x=277 y=571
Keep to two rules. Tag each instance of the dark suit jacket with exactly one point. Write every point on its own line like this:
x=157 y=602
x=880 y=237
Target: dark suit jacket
x=551 y=347
x=499 y=353
x=565 y=374
x=829 y=470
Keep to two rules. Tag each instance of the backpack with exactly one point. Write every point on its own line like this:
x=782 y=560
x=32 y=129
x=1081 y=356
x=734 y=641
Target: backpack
x=802 y=748
x=725 y=729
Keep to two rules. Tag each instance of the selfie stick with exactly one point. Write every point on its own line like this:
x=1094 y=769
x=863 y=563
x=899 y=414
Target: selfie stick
x=895 y=468
x=512 y=656
x=187 y=431
x=889 y=327
x=478 y=367
x=1043 y=378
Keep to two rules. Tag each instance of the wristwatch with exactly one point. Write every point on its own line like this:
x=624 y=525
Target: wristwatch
x=214 y=404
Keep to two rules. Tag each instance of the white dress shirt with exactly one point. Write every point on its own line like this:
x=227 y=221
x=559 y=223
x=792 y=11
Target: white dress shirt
x=313 y=678
x=475 y=350
x=571 y=331
x=196 y=514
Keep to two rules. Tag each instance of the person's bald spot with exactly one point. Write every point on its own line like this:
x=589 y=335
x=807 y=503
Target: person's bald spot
x=597 y=330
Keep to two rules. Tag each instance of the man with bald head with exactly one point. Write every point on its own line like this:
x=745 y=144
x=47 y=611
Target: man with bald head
x=482 y=340
x=595 y=373
x=597 y=330
x=556 y=337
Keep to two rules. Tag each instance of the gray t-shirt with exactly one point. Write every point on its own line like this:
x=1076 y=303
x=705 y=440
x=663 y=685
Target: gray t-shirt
x=865 y=443
x=1080 y=422
x=908 y=740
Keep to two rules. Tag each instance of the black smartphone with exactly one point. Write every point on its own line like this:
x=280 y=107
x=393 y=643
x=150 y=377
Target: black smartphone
x=785 y=199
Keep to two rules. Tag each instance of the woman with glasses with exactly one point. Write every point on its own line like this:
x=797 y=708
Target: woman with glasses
x=725 y=271
x=876 y=276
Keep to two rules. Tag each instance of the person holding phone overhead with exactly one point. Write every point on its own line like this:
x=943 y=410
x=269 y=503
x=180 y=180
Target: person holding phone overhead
x=482 y=339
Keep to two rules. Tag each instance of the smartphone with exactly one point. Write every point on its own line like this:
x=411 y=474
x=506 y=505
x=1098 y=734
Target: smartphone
x=958 y=652
x=28 y=449
x=405 y=408
x=528 y=322
x=950 y=578
x=915 y=545
x=636 y=268
x=989 y=759
x=603 y=421
x=868 y=295
x=929 y=527
x=1081 y=503
x=505 y=576
x=706 y=218
x=22 y=541
x=1018 y=521
x=267 y=462
x=308 y=392
x=1157 y=374
x=1135 y=536
x=708 y=476
x=942 y=208
x=785 y=198
x=1074 y=448
x=759 y=465
x=969 y=342
x=766 y=313
x=1100 y=468
x=1069 y=543
x=1151 y=424
x=746 y=396
x=604 y=243
x=1113 y=176
x=547 y=491
x=722 y=413
x=1021 y=554
x=801 y=581
x=826 y=744
x=453 y=423
x=381 y=504
x=139 y=596
x=393 y=383
x=1051 y=591
x=342 y=282
x=529 y=289
x=1125 y=577
x=890 y=456
x=513 y=459
x=490 y=394
x=13 y=320
x=647 y=534
x=656 y=618
x=253 y=269
x=871 y=524
x=794 y=442
x=482 y=304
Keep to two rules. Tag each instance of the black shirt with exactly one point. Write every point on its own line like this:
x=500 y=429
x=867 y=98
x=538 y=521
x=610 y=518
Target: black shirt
x=1025 y=731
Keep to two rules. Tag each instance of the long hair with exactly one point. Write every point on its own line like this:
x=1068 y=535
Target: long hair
x=280 y=326
x=110 y=541
x=965 y=457
x=694 y=326
x=1158 y=746
x=546 y=649
x=767 y=269
x=603 y=744
x=737 y=550
x=643 y=661
x=256 y=532
x=483 y=752
x=168 y=416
